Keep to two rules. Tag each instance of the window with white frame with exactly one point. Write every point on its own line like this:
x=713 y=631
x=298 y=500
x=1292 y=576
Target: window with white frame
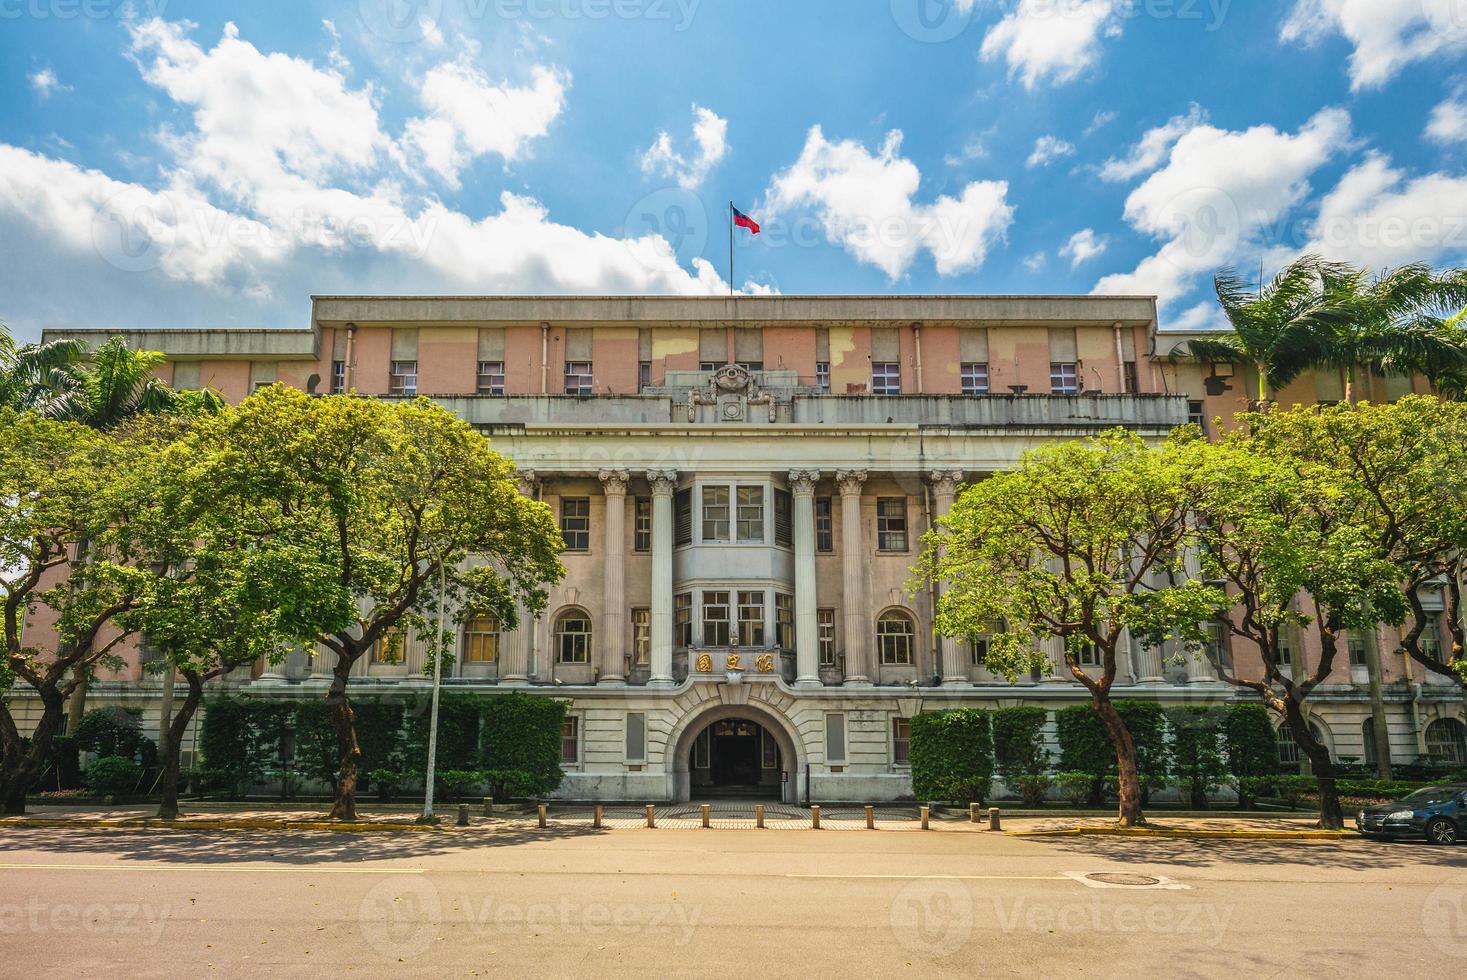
x=750 y=515
x=978 y=650
x=886 y=378
x=642 y=525
x=784 y=620
x=1197 y=414
x=338 y=377
x=578 y=378
x=901 y=741
x=491 y=377
x=1431 y=642
x=1217 y=649
x=403 y=379
x=682 y=620
x=1089 y=655
x=891 y=524
x=575 y=523
x=715 y=514
x=1064 y=378
x=824 y=526
x=975 y=378
x=716 y=619
x=709 y=365
x=1355 y=643
x=895 y=636
x=481 y=640
x=573 y=638
x=641 y=636
x=825 y=632
x=751 y=619
x=570 y=740
x=822 y=375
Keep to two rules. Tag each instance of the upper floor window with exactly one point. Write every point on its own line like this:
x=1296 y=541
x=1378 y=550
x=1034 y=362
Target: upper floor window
x=751 y=515
x=751 y=366
x=1128 y=375
x=682 y=620
x=403 y=379
x=1217 y=650
x=784 y=620
x=1089 y=656
x=1355 y=643
x=1064 y=378
x=715 y=619
x=824 y=526
x=389 y=647
x=891 y=524
x=886 y=378
x=338 y=377
x=822 y=375
x=978 y=650
x=894 y=638
x=641 y=636
x=715 y=513
x=975 y=379
x=578 y=379
x=644 y=375
x=1431 y=642
x=751 y=619
x=783 y=517
x=682 y=517
x=642 y=524
x=575 y=523
x=491 y=377
x=709 y=365
x=1197 y=414
x=825 y=631
x=481 y=640
x=573 y=638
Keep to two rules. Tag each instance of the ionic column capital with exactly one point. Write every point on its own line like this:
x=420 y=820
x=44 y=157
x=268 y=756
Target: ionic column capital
x=945 y=482
x=614 y=482
x=529 y=482
x=850 y=481
x=802 y=482
x=664 y=482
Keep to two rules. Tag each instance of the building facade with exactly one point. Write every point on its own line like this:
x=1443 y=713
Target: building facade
x=743 y=485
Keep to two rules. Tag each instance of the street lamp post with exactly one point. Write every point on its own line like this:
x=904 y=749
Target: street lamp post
x=427 y=816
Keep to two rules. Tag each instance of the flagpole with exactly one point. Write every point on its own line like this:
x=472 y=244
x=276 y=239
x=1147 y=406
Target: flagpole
x=730 y=248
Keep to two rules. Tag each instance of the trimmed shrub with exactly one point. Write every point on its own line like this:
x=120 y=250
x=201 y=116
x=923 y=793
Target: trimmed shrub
x=1251 y=746
x=1019 y=755
x=1198 y=762
x=229 y=742
x=118 y=732
x=458 y=732
x=1085 y=745
x=379 y=736
x=1076 y=787
x=113 y=776
x=61 y=770
x=520 y=744
x=952 y=756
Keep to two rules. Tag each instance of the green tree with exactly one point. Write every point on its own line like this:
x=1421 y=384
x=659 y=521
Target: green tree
x=42 y=378
x=1074 y=544
x=1251 y=746
x=1198 y=763
x=387 y=494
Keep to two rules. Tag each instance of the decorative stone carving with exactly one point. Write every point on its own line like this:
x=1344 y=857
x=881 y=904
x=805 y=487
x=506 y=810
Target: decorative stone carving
x=803 y=481
x=732 y=390
x=614 y=482
x=850 y=481
x=945 y=482
x=662 y=481
x=529 y=482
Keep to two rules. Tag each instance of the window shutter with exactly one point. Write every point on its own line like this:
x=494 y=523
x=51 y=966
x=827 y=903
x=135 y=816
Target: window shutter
x=749 y=345
x=338 y=345
x=973 y=345
x=713 y=344
x=186 y=375
x=682 y=507
x=578 y=343
x=404 y=343
x=636 y=736
x=886 y=345
x=783 y=506
x=491 y=344
x=1062 y=345
x=822 y=344
x=835 y=738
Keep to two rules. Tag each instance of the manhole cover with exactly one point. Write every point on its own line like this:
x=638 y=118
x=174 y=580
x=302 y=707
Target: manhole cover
x=1115 y=878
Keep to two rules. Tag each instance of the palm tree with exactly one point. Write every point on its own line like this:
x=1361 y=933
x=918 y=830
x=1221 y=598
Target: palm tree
x=1403 y=321
x=119 y=384
x=43 y=378
x=1275 y=329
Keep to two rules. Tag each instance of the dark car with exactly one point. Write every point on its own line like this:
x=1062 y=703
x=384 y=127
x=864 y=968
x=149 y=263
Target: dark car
x=1435 y=813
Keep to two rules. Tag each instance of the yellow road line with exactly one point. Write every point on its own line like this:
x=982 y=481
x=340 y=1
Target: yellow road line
x=254 y=869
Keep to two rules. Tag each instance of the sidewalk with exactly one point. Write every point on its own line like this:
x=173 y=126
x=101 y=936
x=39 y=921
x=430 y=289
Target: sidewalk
x=1222 y=826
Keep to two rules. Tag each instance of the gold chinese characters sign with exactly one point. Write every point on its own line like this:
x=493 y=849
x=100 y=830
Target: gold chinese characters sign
x=763 y=663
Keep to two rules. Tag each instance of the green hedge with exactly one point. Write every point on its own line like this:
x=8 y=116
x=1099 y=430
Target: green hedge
x=118 y=733
x=1086 y=748
x=1019 y=756
x=1199 y=762
x=113 y=776
x=952 y=756
x=1251 y=746
x=519 y=751
x=458 y=732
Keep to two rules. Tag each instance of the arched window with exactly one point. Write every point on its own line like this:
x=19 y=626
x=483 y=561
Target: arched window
x=1446 y=741
x=894 y=637
x=573 y=638
x=1289 y=754
x=481 y=640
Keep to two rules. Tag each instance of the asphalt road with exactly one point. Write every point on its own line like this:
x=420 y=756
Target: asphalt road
x=658 y=903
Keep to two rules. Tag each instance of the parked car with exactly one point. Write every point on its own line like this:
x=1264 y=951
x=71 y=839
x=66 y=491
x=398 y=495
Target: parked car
x=1437 y=814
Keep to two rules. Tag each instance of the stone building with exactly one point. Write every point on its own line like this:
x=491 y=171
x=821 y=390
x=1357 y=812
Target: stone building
x=743 y=485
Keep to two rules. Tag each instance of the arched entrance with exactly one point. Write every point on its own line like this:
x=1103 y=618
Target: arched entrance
x=736 y=751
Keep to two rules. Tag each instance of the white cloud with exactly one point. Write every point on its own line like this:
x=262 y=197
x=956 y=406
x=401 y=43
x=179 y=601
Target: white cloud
x=1084 y=246
x=1044 y=40
x=710 y=134
x=1036 y=262
x=1048 y=149
x=1448 y=123
x=1217 y=192
x=1376 y=217
x=469 y=117
x=1102 y=119
x=46 y=84
x=864 y=202
x=1147 y=154
x=1387 y=35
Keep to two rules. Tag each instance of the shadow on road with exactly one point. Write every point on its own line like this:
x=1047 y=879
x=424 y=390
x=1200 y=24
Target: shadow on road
x=1192 y=853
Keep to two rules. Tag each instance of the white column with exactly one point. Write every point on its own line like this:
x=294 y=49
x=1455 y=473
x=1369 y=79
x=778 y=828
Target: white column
x=514 y=646
x=613 y=579
x=853 y=577
x=664 y=482
x=944 y=492
x=807 y=631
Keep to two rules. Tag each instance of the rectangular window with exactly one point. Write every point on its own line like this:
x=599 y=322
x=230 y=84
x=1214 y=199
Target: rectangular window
x=636 y=736
x=978 y=651
x=481 y=640
x=901 y=741
x=642 y=524
x=783 y=517
x=716 y=619
x=644 y=375
x=784 y=620
x=1128 y=373
x=1064 y=378
x=338 y=377
x=891 y=524
x=573 y=639
x=770 y=750
x=1356 y=646
x=575 y=523
x=835 y=738
x=824 y=526
x=751 y=366
x=751 y=515
x=894 y=638
x=682 y=620
x=822 y=375
x=751 y=619
x=682 y=517
x=975 y=379
x=389 y=648
x=825 y=630
x=715 y=513
x=578 y=380
x=886 y=378
x=709 y=365
x=1197 y=414
x=491 y=377
x=1218 y=651
x=570 y=740
x=641 y=636
x=404 y=379
x=1089 y=656
x=1431 y=642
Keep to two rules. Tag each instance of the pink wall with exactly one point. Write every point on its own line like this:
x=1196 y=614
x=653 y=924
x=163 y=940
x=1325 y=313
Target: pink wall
x=371 y=361
x=448 y=361
x=791 y=349
x=941 y=361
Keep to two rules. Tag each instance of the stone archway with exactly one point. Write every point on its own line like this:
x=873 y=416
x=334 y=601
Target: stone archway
x=791 y=751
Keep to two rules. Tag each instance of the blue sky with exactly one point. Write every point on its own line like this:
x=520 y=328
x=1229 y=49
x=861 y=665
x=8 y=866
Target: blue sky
x=180 y=163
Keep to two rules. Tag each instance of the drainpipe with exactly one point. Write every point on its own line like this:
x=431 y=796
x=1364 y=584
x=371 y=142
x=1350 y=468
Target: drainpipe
x=1120 y=359
x=351 y=370
x=544 y=358
x=917 y=345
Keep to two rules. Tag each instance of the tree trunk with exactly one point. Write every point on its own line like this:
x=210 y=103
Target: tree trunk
x=173 y=745
x=1128 y=777
x=19 y=765
x=1331 y=814
x=78 y=706
x=344 y=720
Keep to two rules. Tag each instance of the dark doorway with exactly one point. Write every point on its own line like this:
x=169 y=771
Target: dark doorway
x=735 y=757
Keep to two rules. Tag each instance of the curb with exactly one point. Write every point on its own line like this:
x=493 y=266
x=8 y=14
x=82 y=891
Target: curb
x=1280 y=835
x=156 y=824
